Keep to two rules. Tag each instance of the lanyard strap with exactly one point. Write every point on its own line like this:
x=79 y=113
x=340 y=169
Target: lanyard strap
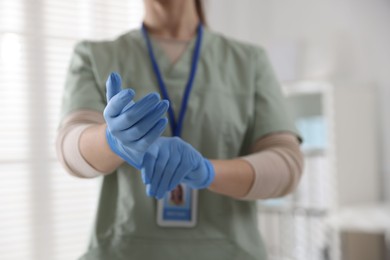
x=176 y=127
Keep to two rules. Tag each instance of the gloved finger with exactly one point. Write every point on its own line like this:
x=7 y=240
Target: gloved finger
x=130 y=104
x=149 y=162
x=144 y=176
x=192 y=156
x=188 y=163
x=159 y=167
x=148 y=169
x=142 y=127
x=113 y=85
x=141 y=108
x=169 y=170
x=148 y=188
x=153 y=133
x=118 y=102
x=177 y=177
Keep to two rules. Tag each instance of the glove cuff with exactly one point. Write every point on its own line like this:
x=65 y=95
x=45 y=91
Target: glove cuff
x=210 y=176
x=111 y=142
x=114 y=144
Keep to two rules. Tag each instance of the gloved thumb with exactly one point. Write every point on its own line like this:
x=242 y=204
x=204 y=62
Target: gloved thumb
x=113 y=85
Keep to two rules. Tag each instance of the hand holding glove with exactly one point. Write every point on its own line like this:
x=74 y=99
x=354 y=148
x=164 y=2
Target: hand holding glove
x=171 y=161
x=132 y=126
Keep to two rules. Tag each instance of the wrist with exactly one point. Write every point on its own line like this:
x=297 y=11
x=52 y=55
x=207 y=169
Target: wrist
x=111 y=142
x=202 y=176
x=233 y=177
x=96 y=151
x=211 y=173
x=133 y=158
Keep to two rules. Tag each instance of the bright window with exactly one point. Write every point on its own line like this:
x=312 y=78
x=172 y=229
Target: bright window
x=44 y=212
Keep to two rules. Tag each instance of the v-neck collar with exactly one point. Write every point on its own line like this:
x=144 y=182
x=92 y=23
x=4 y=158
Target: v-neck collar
x=183 y=65
x=173 y=49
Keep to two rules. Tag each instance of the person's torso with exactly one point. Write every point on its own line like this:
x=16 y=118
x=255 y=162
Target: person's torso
x=216 y=122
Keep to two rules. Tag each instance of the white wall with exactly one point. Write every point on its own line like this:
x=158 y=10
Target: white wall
x=346 y=42
x=357 y=164
x=350 y=35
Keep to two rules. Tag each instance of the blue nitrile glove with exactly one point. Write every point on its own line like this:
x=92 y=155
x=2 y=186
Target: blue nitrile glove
x=132 y=127
x=170 y=161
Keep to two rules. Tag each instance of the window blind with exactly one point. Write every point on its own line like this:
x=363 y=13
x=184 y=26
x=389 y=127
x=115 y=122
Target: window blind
x=44 y=212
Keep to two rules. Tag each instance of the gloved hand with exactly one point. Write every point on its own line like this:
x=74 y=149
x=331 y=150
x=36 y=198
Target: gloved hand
x=132 y=127
x=170 y=161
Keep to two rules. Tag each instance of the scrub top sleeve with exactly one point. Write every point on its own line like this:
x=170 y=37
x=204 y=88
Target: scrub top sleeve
x=81 y=88
x=270 y=107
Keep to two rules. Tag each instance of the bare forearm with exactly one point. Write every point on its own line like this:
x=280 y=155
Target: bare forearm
x=96 y=151
x=233 y=178
x=272 y=171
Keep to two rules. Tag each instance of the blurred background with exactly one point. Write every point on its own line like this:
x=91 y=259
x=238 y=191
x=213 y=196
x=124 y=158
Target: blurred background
x=333 y=60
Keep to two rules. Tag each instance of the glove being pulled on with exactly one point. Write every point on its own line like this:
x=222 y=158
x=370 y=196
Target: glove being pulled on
x=170 y=161
x=132 y=126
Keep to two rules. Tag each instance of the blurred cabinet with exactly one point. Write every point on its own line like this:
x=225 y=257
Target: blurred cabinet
x=338 y=129
x=312 y=107
x=363 y=245
x=364 y=231
x=294 y=227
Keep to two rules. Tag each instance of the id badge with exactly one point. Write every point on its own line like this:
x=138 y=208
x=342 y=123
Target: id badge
x=178 y=208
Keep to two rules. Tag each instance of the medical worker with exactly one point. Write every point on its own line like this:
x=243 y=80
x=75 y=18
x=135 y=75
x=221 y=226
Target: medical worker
x=187 y=129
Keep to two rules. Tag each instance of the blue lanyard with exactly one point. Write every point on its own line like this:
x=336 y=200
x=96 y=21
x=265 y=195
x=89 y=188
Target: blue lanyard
x=176 y=127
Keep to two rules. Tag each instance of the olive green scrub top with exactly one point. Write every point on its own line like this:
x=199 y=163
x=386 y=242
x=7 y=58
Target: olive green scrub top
x=235 y=100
